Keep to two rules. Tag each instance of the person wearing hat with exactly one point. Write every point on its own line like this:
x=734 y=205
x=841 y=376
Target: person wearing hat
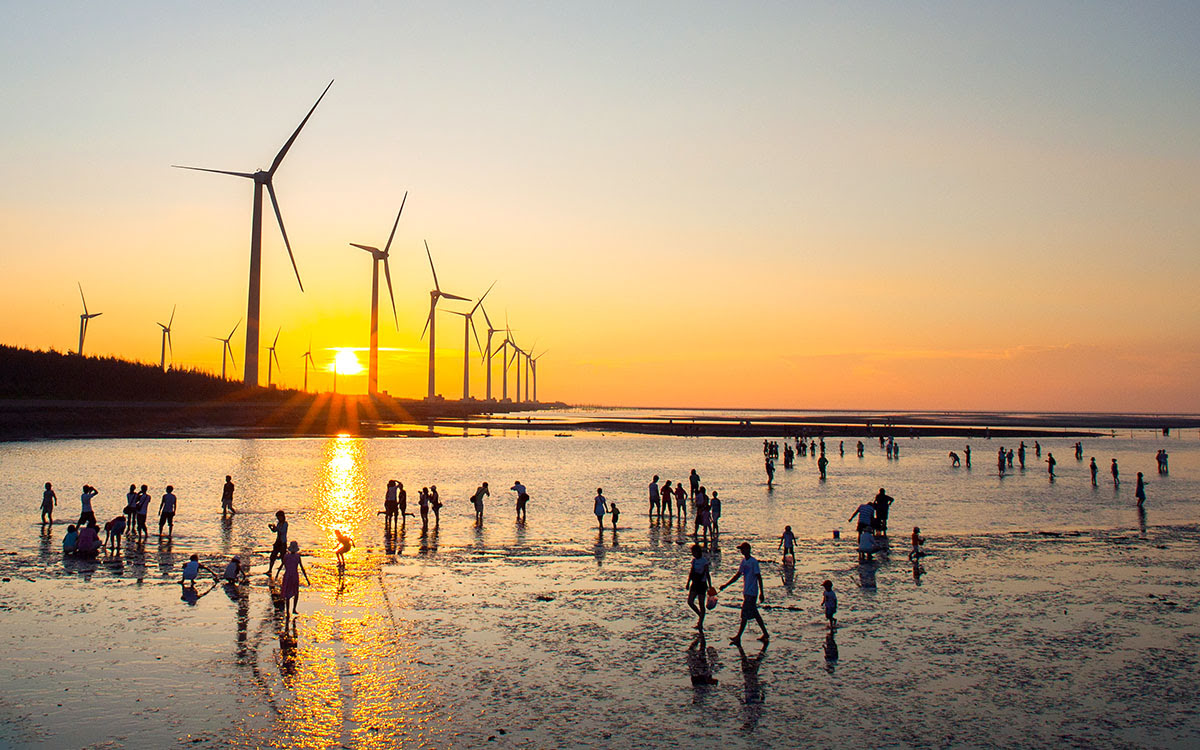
x=752 y=593
x=234 y=572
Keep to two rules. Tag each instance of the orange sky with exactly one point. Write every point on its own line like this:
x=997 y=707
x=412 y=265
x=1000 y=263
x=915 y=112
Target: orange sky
x=967 y=208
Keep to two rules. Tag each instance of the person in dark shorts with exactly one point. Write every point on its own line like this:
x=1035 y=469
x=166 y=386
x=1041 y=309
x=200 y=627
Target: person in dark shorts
x=280 y=548
x=699 y=581
x=49 y=500
x=166 y=512
x=227 y=496
x=752 y=593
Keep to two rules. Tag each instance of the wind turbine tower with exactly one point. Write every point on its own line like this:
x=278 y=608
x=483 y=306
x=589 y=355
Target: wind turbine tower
x=84 y=317
x=487 y=357
x=431 y=322
x=308 y=360
x=378 y=255
x=262 y=178
x=468 y=329
x=533 y=362
x=166 y=341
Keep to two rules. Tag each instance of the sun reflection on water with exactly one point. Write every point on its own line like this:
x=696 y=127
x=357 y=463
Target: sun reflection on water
x=342 y=502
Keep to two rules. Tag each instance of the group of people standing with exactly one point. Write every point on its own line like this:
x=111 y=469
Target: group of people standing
x=83 y=537
x=395 y=503
x=707 y=516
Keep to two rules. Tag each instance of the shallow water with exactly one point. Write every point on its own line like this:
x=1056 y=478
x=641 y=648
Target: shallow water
x=561 y=635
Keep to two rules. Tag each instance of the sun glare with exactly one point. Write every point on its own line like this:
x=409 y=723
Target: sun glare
x=347 y=363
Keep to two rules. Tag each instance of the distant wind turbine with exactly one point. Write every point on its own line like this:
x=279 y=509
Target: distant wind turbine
x=431 y=322
x=84 y=317
x=469 y=328
x=166 y=340
x=487 y=356
x=272 y=357
x=380 y=255
x=308 y=360
x=262 y=178
x=529 y=368
x=533 y=362
x=227 y=348
x=517 y=352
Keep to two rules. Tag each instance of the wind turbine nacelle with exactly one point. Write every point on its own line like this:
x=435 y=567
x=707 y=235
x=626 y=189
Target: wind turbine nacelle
x=262 y=177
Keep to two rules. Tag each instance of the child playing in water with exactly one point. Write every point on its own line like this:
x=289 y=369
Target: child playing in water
x=616 y=514
x=234 y=572
x=788 y=544
x=829 y=603
x=191 y=569
x=49 y=500
x=113 y=531
x=345 y=544
x=917 y=541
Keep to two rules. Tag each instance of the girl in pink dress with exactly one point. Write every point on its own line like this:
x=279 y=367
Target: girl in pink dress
x=292 y=568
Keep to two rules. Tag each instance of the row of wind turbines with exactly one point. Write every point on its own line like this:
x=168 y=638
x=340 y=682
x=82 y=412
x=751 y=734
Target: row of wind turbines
x=512 y=354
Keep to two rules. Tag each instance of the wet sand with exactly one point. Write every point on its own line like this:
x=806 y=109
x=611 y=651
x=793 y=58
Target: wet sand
x=1022 y=639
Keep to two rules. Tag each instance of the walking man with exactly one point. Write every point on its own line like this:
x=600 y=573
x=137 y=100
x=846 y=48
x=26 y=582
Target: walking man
x=752 y=593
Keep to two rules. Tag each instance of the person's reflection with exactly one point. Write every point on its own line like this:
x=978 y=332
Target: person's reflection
x=598 y=550
x=789 y=577
x=389 y=542
x=918 y=571
x=45 y=543
x=241 y=599
x=701 y=660
x=1141 y=513
x=288 y=640
x=226 y=534
x=614 y=533
x=831 y=651
x=655 y=538
x=165 y=559
x=754 y=695
x=866 y=576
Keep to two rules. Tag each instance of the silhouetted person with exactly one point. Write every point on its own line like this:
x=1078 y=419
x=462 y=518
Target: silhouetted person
x=954 y=459
x=344 y=545
x=131 y=509
x=1092 y=467
x=616 y=515
x=227 y=496
x=477 y=500
x=166 y=512
x=694 y=480
x=829 y=604
x=699 y=581
x=1050 y=464
x=280 y=547
x=522 y=498
x=752 y=593
x=49 y=500
x=822 y=464
x=967 y=455
x=1140 y=490
x=770 y=467
x=391 y=506
x=143 y=510
x=85 y=504
x=681 y=499
x=667 y=497
x=1021 y=455
x=1116 y=473
x=600 y=507
x=883 y=502
x=654 y=496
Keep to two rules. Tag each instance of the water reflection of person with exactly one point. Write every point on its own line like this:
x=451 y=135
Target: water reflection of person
x=831 y=651
x=598 y=550
x=866 y=575
x=1141 y=513
x=753 y=693
x=701 y=659
x=288 y=640
x=918 y=571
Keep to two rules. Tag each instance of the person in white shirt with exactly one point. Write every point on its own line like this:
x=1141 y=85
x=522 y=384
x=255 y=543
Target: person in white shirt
x=166 y=512
x=752 y=593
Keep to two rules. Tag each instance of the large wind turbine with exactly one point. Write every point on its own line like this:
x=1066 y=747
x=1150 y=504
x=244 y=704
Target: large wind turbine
x=517 y=352
x=380 y=255
x=262 y=179
x=469 y=328
x=166 y=340
x=84 y=317
x=487 y=357
x=272 y=356
x=308 y=360
x=431 y=322
x=227 y=349
x=529 y=368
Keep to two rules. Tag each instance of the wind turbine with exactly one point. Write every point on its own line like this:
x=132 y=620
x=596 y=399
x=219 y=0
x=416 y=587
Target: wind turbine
x=517 y=352
x=262 y=178
x=166 y=340
x=84 y=317
x=431 y=322
x=533 y=361
x=273 y=357
x=487 y=357
x=529 y=367
x=227 y=349
x=308 y=360
x=469 y=328
x=380 y=255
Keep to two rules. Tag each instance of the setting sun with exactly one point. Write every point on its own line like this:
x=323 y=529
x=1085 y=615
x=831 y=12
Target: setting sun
x=346 y=362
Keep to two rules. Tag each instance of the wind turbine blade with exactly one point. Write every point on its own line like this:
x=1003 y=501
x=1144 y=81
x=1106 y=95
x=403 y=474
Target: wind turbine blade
x=283 y=151
x=368 y=248
x=471 y=322
x=215 y=171
x=235 y=327
x=276 y=341
x=82 y=298
x=387 y=274
x=480 y=302
x=431 y=268
x=94 y=315
x=172 y=320
x=485 y=317
x=388 y=246
x=232 y=360
x=455 y=296
x=170 y=346
x=426 y=328
x=288 y=245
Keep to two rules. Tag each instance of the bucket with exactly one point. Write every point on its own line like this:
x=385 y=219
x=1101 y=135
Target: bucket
x=837 y=534
x=712 y=598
